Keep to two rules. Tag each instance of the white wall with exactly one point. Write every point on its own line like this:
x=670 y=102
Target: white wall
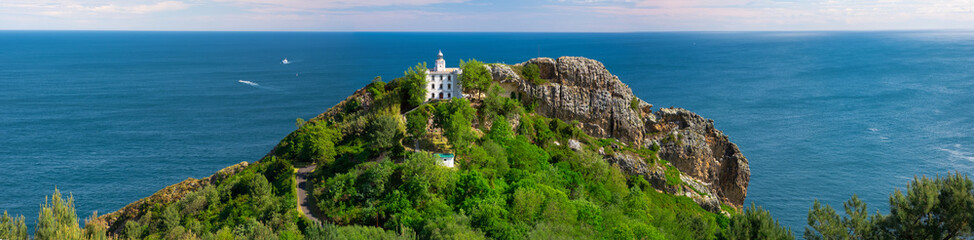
x=450 y=85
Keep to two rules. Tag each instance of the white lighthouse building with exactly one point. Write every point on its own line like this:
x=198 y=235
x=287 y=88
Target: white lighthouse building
x=443 y=82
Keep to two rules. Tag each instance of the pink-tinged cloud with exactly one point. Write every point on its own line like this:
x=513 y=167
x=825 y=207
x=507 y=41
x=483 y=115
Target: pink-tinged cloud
x=334 y=4
x=140 y=9
x=487 y=15
x=691 y=3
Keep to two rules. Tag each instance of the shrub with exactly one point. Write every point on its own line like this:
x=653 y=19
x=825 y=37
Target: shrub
x=672 y=176
x=313 y=142
x=383 y=132
x=756 y=223
x=532 y=73
x=452 y=227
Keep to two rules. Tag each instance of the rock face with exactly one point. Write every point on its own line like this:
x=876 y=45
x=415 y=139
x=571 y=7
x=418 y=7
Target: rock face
x=703 y=152
x=581 y=89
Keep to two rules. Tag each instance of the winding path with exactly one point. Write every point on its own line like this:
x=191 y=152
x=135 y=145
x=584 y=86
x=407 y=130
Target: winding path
x=302 y=184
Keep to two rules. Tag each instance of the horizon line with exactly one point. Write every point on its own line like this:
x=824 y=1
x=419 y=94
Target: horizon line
x=554 y=32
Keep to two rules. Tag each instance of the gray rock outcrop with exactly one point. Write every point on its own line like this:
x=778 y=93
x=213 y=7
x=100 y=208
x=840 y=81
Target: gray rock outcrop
x=583 y=90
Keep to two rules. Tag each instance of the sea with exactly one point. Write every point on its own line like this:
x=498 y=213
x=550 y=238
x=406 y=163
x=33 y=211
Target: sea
x=110 y=117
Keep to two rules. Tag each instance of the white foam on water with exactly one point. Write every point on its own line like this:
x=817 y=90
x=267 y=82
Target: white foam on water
x=257 y=85
x=249 y=83
x=957 y=153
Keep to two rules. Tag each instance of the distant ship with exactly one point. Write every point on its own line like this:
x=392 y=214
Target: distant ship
x=285 y=61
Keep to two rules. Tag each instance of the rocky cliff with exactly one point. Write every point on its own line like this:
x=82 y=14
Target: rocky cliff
x=583 y=90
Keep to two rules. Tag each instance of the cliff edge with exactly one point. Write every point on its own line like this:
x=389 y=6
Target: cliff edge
x=580 y=89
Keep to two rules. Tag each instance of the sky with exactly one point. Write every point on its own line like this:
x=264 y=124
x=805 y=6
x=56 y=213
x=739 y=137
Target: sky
x=486 y=16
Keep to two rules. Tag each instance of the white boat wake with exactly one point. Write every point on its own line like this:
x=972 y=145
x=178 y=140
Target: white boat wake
x=257 y=85
x=249 y=83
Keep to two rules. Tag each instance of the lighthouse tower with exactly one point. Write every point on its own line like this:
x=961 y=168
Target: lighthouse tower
x=443 y=82
x=440 y=63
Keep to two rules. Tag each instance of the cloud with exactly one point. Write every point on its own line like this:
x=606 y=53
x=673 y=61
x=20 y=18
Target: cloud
x=780 y=15
x=63 y=8
x=488 y=15
x=141 y=9
x=306 y=5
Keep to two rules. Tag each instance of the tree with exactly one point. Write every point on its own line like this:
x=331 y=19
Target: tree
x=12 y=227
x=417 y=121
x=170 y=218
x=413 y=86
x=377 y=87
x=58 y=219
x=313 y=142
x=496 y=105
x=383 y=132
x=449 y=227
x=475 y=76
x=940 y=208
x=756 y=223
x=532 y=73
x=500 y=131
x=526 y=156
x=95 y=228
x=133 y=230
x=454 y=117
x=260 y=193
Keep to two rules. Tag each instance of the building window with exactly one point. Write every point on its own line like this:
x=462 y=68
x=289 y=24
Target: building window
x=432 y=95
x=432 y=86
x=447 y=95
x=449 y=78
x=441 y=86
x=441 y=95
x=449 y=86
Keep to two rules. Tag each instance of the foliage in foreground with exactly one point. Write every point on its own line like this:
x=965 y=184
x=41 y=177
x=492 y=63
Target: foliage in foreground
x=940 y=208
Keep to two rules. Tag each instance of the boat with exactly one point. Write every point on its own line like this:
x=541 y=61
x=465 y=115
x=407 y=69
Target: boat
x=285 y=61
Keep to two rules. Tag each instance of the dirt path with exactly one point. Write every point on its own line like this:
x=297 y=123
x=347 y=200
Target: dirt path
x=302 y=183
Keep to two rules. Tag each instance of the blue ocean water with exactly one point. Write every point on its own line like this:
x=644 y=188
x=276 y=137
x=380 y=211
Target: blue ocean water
x=112 y=117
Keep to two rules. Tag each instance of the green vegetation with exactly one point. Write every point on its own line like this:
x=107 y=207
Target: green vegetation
x=312 y=142
x=454 y=117
x=516 y=178
x=634 y=104
x=413 y=85
x=417 y=122
x=495 y=105
x=756 y=223
x=672 y=176
x=940 y=208
x=510 y=183
x=12 y=227
x=475 y=77
x=532 y=74
x=383 y=132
